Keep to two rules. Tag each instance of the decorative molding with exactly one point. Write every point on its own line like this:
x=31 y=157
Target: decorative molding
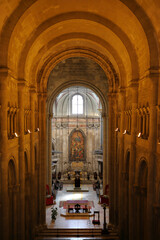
x=151 y=72
x=134 y=83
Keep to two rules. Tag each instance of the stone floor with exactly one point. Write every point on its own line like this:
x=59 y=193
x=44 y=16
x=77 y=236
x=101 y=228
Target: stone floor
x=62 y=222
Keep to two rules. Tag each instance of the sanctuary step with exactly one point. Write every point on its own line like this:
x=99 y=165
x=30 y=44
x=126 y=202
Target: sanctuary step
x=86 y=233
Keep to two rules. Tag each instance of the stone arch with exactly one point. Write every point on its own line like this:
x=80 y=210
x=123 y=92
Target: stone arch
x=99 y=92
x=148 y=29
x=143 y=173
x=114 y=78
x=75 y=83
x=11 y=173
x=22 y=7
x=95 y=18
x=86 y=16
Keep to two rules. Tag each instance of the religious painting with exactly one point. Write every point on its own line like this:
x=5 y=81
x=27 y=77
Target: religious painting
x=77 y=146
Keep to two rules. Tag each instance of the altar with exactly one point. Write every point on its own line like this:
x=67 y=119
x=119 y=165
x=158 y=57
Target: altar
x=73 y=189
x=76 y=208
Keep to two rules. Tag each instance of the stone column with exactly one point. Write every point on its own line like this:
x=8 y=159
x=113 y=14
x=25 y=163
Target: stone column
x=21 y=92
x=121 y=164
x=152 y=157
x=4 y=93
x=105 y=170
x=111 y=153
x=50 y=116
x=43 y=157
x=32 y=157
x=156 y=222
x=116 y=181
x=132 y=218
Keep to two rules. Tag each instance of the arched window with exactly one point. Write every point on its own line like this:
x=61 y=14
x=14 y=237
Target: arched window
x=77 y=104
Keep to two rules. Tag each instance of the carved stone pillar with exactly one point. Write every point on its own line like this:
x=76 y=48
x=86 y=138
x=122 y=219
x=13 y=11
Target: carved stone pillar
x=136 y=190
x=111 y=151
x=156 y=222
x=121 y=163
x=134 y=91
x=43 y=156
x=21 y=95
x=32 y=156
x=4 y=93
x=50 y=116
x=152 y=149
x=105 y=169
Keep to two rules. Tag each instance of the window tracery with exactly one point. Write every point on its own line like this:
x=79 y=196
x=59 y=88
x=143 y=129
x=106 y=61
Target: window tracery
x=128 y=119
x=143 y=118
x=27 y=121
x=36 y=113
x=12 y=123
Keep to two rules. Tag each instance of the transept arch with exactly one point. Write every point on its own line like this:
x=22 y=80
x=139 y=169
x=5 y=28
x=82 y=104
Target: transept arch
x=76 y=83
x=73 y=37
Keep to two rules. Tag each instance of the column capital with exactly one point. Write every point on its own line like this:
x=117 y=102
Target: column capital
x=21 y=83
x=112 y=94
x=134 y=83
x=42 y=95
x=122 y=90
x=32 y=89
x=152 y=72
x=4 y=71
